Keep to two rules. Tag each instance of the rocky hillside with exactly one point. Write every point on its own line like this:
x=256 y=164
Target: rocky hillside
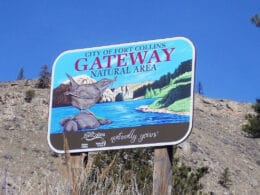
x=28 y=166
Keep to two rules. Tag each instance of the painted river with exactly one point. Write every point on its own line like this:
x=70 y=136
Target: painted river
x=121 y=113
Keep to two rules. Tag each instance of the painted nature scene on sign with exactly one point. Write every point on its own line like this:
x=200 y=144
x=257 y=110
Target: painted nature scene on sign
x=150 y=85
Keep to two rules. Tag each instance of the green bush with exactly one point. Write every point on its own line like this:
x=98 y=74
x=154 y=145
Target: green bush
x=131 y=172
x=122 y=171
x=186 y=180
x=252 y=128
x=29 y=95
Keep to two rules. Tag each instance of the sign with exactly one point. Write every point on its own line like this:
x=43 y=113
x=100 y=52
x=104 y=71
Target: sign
x=122 y=96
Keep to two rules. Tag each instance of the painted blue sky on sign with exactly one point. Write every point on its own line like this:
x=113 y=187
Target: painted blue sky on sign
x=179 y=50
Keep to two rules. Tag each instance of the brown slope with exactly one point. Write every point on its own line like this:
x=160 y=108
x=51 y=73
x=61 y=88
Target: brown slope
x=27 y=165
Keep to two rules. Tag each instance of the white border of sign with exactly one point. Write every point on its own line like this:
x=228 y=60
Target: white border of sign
x=135 y=145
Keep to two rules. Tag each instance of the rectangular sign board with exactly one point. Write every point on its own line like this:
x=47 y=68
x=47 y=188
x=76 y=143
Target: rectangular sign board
x=122 y=96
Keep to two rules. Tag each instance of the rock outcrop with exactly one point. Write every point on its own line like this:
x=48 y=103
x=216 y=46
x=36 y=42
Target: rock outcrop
x=123 y=93
x=64 y=100
x=127 y=91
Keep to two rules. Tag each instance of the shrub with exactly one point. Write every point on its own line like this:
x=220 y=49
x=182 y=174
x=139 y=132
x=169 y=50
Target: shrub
x=131 y=172
x=224 y=179
x=186 y=180
x=252 y=128
x=122 y=172
x=44 y=80
x=29 y=95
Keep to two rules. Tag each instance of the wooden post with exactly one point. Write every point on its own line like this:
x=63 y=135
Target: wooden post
x=78 y=162
x=162 y=173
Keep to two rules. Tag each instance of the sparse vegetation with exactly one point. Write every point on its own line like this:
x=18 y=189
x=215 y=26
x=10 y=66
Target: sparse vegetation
x=44 y=80
x=120 y=172
x=252 y=128
x=26 y=83
x=186 y=180
x=200 y=88
x=29 y=95
x=28 y=166
x=224 y=179
x=131 y=172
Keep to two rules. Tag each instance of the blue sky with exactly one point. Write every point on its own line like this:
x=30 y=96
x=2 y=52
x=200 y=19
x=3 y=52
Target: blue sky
x=34 y=33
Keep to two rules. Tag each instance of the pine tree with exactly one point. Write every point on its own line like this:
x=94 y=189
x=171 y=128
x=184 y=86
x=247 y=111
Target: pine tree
x=256 y=20
x=20 y=75
x=44 y=80
x=200 y=88
x=252 y=128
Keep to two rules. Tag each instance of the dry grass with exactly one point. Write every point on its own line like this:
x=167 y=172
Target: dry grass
x=111 y=172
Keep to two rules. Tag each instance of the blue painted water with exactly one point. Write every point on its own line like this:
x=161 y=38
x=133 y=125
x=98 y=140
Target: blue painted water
x=122 y=114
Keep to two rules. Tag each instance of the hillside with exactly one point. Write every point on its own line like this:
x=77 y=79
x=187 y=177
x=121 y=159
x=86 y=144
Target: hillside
x=28 y=166
x=172 y=90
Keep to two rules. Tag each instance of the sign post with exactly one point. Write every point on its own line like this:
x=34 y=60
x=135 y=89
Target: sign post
x=162 y=173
